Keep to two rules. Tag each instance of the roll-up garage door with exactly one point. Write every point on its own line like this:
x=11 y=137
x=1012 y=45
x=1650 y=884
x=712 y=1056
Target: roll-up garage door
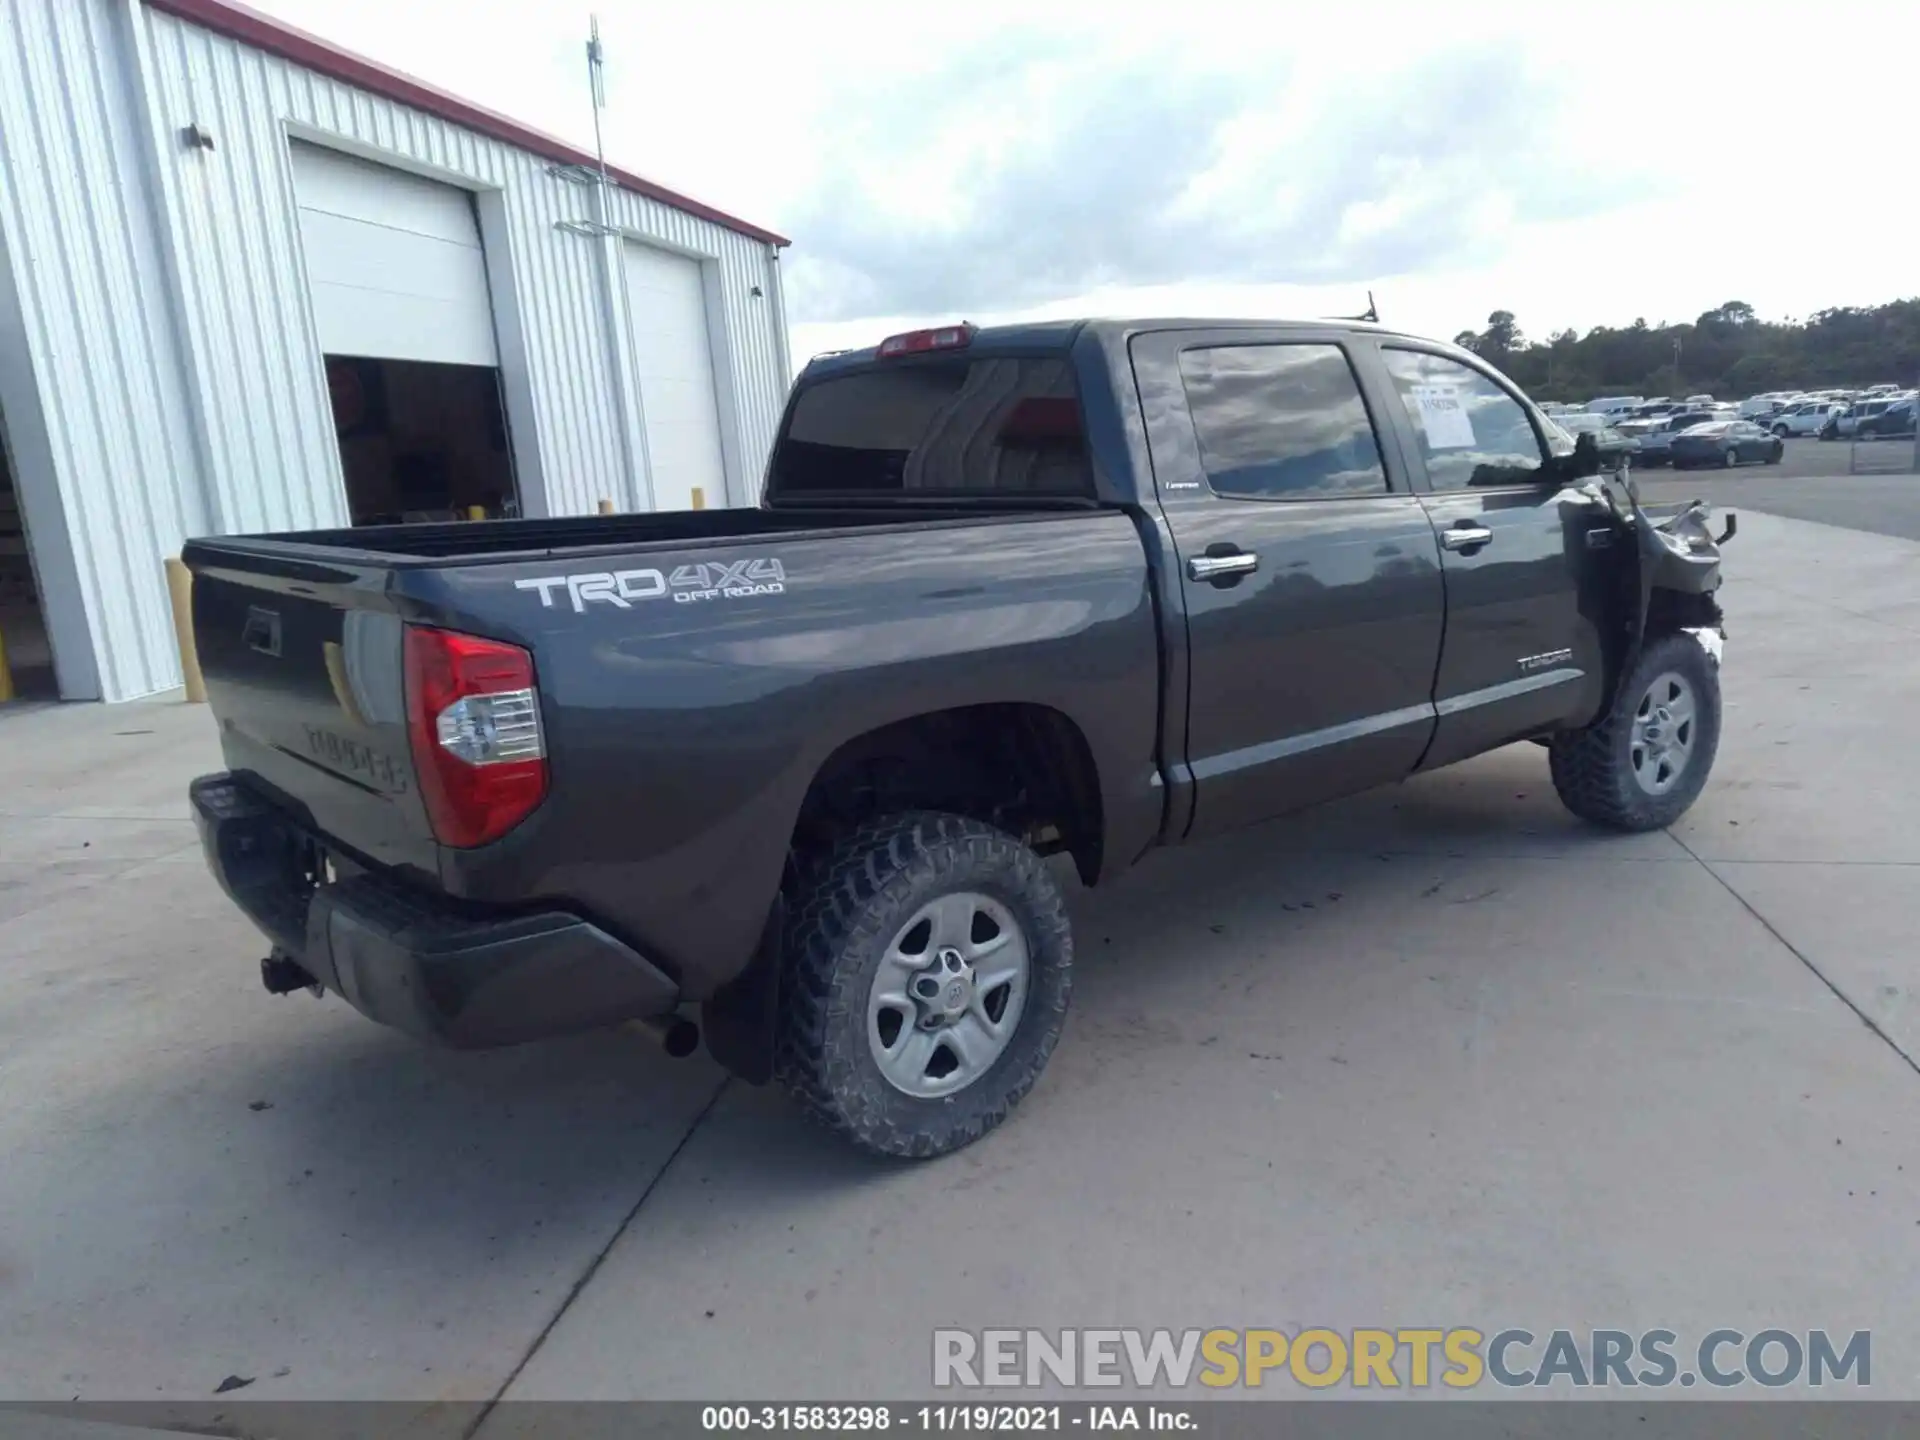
x=673 y=362
x=394 y=262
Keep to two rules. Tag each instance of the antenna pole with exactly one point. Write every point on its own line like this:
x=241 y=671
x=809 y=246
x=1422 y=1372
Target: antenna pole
x=597 y=81
x=633 y=432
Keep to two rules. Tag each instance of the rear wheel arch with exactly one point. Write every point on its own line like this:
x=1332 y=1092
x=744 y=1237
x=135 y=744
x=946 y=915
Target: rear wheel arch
x=873 y=940
x=1026 y=769
x=1023 y=767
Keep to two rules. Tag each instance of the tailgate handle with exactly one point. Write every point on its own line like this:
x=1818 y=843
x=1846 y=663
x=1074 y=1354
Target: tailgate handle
x=262 y=631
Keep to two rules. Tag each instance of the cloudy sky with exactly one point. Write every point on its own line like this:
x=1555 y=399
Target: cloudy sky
x=934 y=162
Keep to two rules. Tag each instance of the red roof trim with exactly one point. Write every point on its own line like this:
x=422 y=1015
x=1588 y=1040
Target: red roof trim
x=263 y=33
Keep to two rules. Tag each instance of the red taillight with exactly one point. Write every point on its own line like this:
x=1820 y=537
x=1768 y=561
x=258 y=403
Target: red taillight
x=919 y=342
x=473 y=715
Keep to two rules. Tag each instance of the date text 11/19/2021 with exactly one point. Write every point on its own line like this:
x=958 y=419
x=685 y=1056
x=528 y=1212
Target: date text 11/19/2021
x=878 y=1419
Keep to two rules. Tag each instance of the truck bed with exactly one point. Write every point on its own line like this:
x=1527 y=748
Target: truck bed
x=585 y=535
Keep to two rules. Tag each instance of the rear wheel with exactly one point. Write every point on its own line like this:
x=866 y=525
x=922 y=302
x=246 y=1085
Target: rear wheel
x=1730 y=459
x=1642 y=764
x=929 y=966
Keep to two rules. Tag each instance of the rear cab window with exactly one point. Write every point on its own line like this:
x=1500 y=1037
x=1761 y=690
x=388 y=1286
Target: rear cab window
x=947 y=426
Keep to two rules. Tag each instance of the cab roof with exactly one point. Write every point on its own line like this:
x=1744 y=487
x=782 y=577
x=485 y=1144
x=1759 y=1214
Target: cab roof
x=1058 y=336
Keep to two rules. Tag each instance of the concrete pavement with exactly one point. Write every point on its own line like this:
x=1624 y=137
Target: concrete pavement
x=1811 y=483
x=1437 y=1055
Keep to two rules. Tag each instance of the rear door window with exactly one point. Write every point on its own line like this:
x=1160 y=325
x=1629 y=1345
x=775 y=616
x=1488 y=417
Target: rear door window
x=1281 y=422
x=963 y=426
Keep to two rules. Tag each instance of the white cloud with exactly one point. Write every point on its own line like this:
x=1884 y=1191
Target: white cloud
x=1581 y=170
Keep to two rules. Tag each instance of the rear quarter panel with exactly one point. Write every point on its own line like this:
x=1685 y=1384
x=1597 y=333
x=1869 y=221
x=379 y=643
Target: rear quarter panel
x=684 y=730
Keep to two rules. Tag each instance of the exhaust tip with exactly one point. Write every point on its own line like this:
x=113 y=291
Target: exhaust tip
x=675 y=1034
x=681 y=1040
x=283 y=976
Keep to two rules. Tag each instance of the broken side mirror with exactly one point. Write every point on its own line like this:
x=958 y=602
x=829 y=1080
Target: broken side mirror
x=1584 y=460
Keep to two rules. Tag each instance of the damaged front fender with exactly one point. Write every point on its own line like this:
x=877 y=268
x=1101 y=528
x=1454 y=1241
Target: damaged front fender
x=1680 y=553
x=1713 y=641
x=1670 y=583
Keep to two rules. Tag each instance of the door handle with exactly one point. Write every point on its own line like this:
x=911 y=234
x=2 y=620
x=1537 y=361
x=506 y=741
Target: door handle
x=1465 y=536
x=1216 y=568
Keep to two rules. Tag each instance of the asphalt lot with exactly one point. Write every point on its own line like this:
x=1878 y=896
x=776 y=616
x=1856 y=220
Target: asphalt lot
x=1810 y=483
x=1437 y=1055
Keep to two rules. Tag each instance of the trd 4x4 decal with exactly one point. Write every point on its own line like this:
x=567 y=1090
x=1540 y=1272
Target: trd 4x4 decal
x=686 y=584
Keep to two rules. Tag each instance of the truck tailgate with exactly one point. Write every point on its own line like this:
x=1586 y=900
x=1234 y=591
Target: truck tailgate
x=305 y=674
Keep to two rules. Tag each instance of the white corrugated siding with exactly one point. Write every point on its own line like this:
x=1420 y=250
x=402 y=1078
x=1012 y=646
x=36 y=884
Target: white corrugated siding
x=95 y=393
x=165 y=305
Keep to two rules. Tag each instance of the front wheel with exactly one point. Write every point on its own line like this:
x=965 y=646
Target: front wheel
x=1643 y=764
x=1781 y=431
x=1773 y=455
x=929 y=963
x=1730 y=459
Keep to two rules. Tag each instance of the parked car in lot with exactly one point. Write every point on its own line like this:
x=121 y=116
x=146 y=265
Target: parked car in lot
x=1845 y=419
x=1806 y=418
x=1725 y=442
x=1654 y=409
x=1656 y=441
x=1069 y=588
x=1617 y=450
x=1894 y=422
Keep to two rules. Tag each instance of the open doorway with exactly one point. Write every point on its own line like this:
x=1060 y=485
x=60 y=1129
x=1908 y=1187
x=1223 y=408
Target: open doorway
x=28 y=653
x=421 y=440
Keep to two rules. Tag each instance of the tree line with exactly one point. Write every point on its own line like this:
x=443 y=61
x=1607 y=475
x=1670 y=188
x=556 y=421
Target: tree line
x=1729 y=352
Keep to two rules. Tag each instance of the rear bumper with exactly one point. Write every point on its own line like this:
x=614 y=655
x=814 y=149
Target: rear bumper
x=413 y=960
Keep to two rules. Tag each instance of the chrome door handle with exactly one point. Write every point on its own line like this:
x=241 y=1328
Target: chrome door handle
x=1221 y=567
x=1465 y=537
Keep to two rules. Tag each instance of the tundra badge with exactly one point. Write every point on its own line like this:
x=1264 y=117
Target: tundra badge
x=1545 y=659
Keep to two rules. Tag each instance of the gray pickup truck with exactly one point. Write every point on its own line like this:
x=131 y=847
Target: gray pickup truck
x=1075 y=589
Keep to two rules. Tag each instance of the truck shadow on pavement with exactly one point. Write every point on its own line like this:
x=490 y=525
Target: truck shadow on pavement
x=327 y=1169
x=1223 y=923
x=548 y=1128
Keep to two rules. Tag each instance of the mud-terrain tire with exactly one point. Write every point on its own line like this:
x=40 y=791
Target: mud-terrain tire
x=1611 y=772
x=862 y=908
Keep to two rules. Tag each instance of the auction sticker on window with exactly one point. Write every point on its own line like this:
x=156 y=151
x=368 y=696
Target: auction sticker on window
x=1443 y=415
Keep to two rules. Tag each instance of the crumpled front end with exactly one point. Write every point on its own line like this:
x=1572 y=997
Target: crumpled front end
x=1681 y=553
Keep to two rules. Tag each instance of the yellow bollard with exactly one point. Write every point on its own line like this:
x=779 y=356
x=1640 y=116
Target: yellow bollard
x=606 y=507
x=6 y=672
x=180 y=590
x=476 y=512
x=699 y=498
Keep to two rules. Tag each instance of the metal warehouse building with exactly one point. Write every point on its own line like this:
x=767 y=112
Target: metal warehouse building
x=249 y=281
